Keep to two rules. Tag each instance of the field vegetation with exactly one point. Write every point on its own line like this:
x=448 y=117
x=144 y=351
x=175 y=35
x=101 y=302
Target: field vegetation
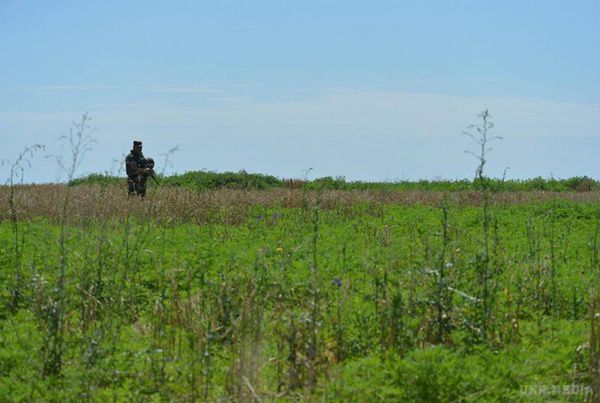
x=207 y=180
x=297 y=293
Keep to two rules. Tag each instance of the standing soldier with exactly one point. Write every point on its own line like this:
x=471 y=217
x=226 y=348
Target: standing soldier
x=137 y=170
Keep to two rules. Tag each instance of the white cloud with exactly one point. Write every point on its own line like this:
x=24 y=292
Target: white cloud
x=67 y=87
x=184 y=89
x=353 y=132
x=349 y=112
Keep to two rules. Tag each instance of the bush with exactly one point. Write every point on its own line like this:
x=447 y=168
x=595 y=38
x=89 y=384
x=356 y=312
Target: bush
x=329 y=183
x=581 y=184
x=207 y=180
x=97 y=179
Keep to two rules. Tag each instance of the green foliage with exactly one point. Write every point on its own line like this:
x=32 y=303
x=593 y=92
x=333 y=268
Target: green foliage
x=328 y=183
x=98 y=179
x=207 y=180
x=443 y=374
x=339 y=306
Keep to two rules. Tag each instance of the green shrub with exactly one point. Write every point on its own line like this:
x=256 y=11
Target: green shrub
x=209 y=180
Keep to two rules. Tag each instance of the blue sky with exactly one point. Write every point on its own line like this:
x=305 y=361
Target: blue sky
x=377 y=90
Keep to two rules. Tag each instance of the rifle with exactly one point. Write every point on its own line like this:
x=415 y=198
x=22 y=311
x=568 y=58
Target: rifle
x=153 y=176
x=149 y=163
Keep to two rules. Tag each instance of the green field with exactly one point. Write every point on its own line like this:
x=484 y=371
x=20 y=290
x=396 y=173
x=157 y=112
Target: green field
x=359 y=301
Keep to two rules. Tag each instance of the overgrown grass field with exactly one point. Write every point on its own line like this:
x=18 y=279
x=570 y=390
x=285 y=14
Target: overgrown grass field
x=298 y=294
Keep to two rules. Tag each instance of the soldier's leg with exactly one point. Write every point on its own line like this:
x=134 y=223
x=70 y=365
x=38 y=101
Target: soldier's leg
x=134 y=187
x=143 y=181
x=130 y=186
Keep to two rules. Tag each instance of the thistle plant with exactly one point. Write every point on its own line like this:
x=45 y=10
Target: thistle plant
x=305 y=194
x=17 y=171
x=80 y=141
x=479 y=134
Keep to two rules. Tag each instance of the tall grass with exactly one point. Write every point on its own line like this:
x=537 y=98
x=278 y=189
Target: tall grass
x=80 y=141
x=17 y=170
x=172 y=205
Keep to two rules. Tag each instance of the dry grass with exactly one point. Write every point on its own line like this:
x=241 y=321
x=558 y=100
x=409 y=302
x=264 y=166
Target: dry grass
x=177 y=205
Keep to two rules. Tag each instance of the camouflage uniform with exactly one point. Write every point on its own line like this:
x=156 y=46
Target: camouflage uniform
x=135 y=162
